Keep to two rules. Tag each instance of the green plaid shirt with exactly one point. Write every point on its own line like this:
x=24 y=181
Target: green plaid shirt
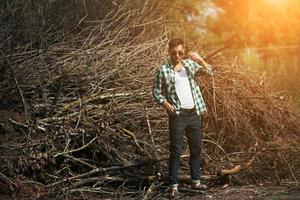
x=164 y=85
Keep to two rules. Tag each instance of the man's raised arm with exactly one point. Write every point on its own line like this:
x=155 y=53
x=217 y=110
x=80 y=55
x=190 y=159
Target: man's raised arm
x=198 y=59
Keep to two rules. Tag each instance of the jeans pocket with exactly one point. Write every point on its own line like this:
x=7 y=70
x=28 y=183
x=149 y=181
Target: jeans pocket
x=173 y=115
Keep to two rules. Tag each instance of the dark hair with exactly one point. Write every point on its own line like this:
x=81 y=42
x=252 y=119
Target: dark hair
x=175 y=42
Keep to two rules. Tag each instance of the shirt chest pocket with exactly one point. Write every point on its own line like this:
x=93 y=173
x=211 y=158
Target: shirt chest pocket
x=169 y=81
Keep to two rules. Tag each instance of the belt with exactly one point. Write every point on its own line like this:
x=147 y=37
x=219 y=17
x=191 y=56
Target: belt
x=188 y=110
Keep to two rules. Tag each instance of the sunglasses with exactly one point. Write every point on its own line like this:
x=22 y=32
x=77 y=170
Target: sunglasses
x=175 y=53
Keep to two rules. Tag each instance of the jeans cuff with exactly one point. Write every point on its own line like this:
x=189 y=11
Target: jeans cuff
x=195 y=181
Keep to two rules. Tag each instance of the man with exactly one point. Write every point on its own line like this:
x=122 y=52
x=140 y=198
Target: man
x=176 y=89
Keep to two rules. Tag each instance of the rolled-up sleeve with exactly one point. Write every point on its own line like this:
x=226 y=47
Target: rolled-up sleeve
x=157 y=88
x=198 y=67
x=209 y=70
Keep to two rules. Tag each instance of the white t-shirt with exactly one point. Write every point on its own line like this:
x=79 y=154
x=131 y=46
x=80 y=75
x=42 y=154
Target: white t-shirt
x=183 y=89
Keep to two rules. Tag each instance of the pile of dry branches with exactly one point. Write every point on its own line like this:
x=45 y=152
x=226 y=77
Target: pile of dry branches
x=90 y=124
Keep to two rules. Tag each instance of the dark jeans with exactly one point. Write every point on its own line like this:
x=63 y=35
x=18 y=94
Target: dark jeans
x=188 y=123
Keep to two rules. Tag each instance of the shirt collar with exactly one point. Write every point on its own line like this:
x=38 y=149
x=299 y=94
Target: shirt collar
x=172 y=67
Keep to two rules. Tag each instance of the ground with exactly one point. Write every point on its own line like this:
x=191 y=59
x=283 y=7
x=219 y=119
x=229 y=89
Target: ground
x=250 y=192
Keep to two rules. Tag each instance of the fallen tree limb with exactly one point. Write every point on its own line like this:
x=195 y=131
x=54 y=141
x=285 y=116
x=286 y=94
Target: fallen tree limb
x=75 y=150
x=150 y=190
x=108 y=169
x=238 y=168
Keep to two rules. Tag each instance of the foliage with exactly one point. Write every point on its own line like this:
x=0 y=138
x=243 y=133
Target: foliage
x=260 y=22
x=35 y=22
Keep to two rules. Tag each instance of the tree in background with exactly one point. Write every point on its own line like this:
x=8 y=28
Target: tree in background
x=35 y=22
x=259 y=22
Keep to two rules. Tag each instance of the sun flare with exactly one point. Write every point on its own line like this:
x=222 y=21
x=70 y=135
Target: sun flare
x=275 y=2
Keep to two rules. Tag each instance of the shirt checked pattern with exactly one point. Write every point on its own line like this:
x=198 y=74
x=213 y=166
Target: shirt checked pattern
x=164 y=85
